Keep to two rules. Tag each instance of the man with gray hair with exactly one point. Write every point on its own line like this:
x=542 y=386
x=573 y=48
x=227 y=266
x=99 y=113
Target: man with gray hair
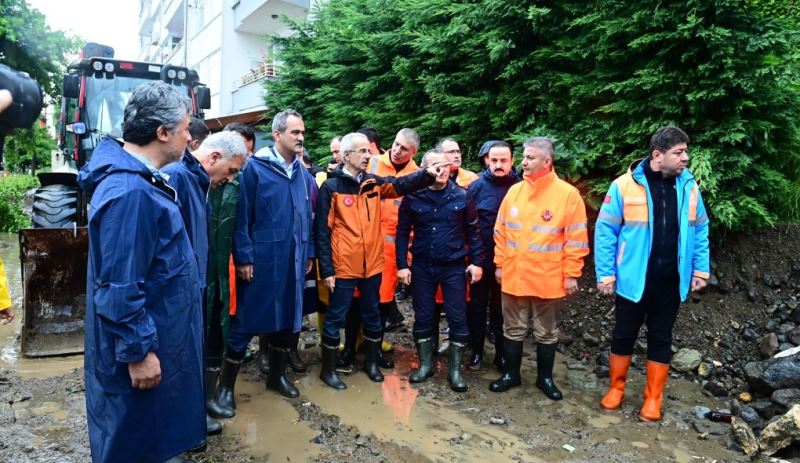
x=213 y=164
x=272 y=250
x=349 y=246
x=540 y=241
x=144 y=326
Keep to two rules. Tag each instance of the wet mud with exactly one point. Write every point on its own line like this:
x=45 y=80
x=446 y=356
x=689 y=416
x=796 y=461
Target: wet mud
x=43 y=416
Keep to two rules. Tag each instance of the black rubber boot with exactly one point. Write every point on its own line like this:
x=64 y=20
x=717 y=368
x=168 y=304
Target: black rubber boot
x=330 y=349
x=352 y=325
x=545 y=358
x=227 y=380
x=263 y=353
x=277 y=380
x=391 y=318
x=425 y=352
x=457 y=381
x=372 y=350
x=513 y=362
x=295 y=362
x=213 y=426
x=212 y=407
x=402 y=292
x=498 y=352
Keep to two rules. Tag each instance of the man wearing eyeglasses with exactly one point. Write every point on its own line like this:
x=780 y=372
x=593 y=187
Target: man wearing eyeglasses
x=461 y=177
x=349 y=247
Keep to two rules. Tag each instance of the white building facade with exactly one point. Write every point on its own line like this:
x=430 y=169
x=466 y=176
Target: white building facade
x=225 y=41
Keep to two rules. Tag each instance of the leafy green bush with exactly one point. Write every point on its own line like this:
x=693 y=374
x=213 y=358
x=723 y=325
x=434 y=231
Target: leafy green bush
x=12 y=189
x=599 y=76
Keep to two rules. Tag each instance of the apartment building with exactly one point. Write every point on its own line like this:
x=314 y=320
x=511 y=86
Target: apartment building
x=225 y=41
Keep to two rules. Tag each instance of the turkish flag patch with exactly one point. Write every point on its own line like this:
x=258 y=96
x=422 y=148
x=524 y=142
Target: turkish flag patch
x=348 y=201
x=607 y=199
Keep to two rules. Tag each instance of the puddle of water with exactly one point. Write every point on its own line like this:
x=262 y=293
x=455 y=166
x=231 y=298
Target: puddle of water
x=10 y=356
x=604 y=421
x=268 y=426
x=50 y=408
x=393 y=411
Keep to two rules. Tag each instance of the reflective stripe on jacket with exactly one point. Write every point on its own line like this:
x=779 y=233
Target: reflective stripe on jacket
x=624 y=233
x=540 y=237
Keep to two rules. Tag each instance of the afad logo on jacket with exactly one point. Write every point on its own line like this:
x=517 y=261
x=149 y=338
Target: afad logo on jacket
x=547 y=215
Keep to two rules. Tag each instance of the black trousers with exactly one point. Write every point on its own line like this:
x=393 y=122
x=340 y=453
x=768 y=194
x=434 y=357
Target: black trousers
x=658 y=309
x=486 y=291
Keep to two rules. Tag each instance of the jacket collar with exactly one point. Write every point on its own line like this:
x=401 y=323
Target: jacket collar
x=636 y=170
x=541 y=182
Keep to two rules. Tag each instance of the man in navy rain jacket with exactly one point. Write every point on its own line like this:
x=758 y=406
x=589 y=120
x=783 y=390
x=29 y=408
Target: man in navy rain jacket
x=272 y=251
x=144 y=327
x=487 y=193
x=445 y=226
x=212 y=164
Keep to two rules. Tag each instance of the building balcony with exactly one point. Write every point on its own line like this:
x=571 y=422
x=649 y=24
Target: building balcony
x=266 y=70
x=145 y=18
x=263 y=16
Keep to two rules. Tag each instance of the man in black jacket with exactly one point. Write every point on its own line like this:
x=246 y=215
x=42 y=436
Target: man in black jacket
x=487 y=193
x=444 y=222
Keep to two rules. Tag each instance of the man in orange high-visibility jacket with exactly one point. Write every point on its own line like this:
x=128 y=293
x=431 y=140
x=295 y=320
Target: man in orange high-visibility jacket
x=397 y=162
x=540 y=241
x=462 y=177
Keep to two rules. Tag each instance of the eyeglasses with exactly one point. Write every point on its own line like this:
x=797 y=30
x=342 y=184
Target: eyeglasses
x=452 y=152
x=362 y=152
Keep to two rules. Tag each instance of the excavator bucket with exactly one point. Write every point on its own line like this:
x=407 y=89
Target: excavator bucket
x=54 y=285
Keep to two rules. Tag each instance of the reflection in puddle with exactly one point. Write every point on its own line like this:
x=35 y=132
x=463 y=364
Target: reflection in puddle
x=394 y=411
x=269 y=427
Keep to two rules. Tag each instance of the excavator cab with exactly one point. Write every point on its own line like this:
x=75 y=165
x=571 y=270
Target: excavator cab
x=54 y=252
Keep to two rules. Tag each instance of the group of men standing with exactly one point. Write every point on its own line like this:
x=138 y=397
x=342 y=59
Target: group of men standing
x=168 y=326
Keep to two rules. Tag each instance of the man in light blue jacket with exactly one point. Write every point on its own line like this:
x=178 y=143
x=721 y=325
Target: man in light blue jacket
x=651 y=248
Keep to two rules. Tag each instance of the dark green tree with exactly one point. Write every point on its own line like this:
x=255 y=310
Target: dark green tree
x=598 y=76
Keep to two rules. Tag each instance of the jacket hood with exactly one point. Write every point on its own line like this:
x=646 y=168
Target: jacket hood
x=109 y=158
x=509 y=179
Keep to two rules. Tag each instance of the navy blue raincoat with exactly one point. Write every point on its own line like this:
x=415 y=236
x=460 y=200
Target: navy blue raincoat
x=487 y=193
x=273 y=232
x=191 y=183
x=142 y=296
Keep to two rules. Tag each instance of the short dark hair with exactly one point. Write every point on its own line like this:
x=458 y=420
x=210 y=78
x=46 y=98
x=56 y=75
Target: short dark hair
x=242 y=129
x=372 y=135
x=500 y=144
x=666 y=137
x=152 y=105
x=198 y=129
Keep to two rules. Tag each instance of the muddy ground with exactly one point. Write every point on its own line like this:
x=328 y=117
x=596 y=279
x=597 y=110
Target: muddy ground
x=42 y=408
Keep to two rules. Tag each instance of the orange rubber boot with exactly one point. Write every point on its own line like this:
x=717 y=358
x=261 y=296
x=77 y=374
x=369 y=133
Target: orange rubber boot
x=618 y=366
x=656 y=380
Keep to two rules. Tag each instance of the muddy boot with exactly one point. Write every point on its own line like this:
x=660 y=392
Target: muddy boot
x=295 y=362
x=545 y=358
x=227 y=380
x=212 y=407
x=425 y=352
x=330 y=349
x=618 y=373
x=512 y=354
x=372 y=349
x=263 y=353
x=476 y=355
x=457 y=381
x=277 y=380
x=499 y=358
x=653 y=391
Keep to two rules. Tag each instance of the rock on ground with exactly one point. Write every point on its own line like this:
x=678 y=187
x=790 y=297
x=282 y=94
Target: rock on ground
x=769 y=375
x=744 y=436
x=782 y=432
x=686 y=360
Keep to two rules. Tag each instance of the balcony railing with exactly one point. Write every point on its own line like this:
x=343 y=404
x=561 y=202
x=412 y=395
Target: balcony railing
x=262 y=72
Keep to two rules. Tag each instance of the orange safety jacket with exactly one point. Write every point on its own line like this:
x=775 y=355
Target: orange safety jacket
x=465 y=177
x=382 y=166
x=347 y=221
x=540 y=237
